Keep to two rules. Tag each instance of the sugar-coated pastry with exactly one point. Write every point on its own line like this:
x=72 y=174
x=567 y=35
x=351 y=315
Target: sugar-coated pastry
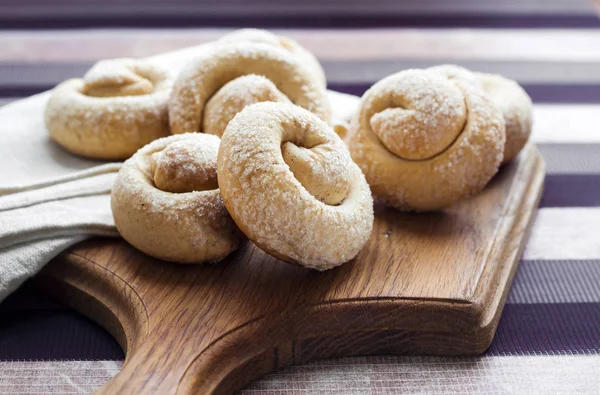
x=290 y=185
x=119 y=106
x=166 y=201
x=425 y=139
x=263 y=36
x=516 y=108
x=454 y=72
x=210 y=90
x=512 y=100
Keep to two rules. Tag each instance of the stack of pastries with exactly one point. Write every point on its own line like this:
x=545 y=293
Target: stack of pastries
x=240 y=145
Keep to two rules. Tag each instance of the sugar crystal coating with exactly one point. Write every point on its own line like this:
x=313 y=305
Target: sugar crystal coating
x=118 y=107
x=304 y=56
x=186 y=166
x=234 y=96
x=273 y=205
x=427 y=138
x=202 y=79
x=181 y=223
x=516 y=108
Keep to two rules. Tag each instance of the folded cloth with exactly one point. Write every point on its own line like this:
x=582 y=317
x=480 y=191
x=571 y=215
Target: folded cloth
x=51 y=199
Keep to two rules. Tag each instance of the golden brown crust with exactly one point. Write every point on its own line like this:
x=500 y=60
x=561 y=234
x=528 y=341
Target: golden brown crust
x=279 y=199
x=426 y=139
x=187 y=221
x=203 y=78
x=119 y=106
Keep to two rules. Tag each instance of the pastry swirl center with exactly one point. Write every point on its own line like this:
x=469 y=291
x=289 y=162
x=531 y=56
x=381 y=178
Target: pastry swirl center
x=234 y=96
x=111 y=78
x=321 y=170
x=425 y=116
x=186 y=166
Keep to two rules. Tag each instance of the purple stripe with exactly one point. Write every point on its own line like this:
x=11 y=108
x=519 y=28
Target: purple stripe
x=57 y=334
x=42 y=334
x=35 y=328
x=547 y=328
x=179 y=19
x=540 y=93
x=559 y=281
x=27 y=298
x=571 y=190
x=572 y=94
x=25 y=79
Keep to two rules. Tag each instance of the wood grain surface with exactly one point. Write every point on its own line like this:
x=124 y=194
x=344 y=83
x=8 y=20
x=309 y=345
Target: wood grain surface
x=432 y=284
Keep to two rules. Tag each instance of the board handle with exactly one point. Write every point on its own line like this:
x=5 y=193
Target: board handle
x=224 y=367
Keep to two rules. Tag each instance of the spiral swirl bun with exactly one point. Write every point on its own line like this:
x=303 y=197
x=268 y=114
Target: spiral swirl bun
x=516 y=108
x=166 y=202
x=454 y=72
x=425 y=139
x=290 y=185
x=234 y=96
x=304 y=56
x=119 y=106
x=512 y=100
x=214 y=87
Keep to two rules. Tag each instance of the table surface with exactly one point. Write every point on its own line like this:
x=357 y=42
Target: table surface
x=549 y=335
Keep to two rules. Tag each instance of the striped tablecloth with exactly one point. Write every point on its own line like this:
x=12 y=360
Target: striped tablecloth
x=549 y=335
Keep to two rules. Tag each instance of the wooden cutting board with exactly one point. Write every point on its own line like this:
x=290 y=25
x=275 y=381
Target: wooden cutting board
x=432 y=284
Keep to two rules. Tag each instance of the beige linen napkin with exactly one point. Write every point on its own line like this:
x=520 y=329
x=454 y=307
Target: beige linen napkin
x=51 y=199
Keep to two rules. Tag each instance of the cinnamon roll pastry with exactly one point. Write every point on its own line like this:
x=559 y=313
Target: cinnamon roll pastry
x=305 y=57
x=119 y=106
x=290 y=185
x=425 y=140
x=213 y=88
x=166 y=201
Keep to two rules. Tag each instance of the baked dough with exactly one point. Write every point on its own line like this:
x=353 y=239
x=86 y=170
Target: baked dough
x=512 y=100
x=213 y=88
x=305 y=57
x=290 y=185
x=166 y=202
x=425 y=139
x=119 y=106
x=516 y=108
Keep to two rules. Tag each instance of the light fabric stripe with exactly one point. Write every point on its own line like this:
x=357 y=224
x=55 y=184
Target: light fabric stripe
x=23 y=75
x=532 y=374
x=571 y=158
x=557 y=281
x=580 y=45
x=566 y=123
x=553 y=123
x=526 y=72
x=565 y=233
x=434 y=375
x=53 y=377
